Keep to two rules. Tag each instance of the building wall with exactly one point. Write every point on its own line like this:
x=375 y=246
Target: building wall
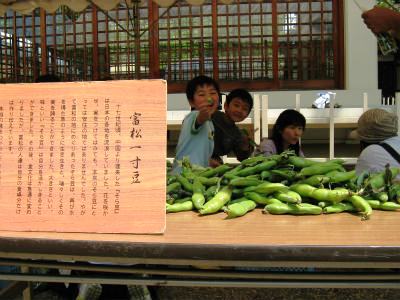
x=361 y=69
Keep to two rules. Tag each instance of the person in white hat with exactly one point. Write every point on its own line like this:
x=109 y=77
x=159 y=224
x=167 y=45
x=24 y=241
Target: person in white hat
x=380 y=144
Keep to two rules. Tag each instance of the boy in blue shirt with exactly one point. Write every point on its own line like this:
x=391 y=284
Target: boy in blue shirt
x=196 y=139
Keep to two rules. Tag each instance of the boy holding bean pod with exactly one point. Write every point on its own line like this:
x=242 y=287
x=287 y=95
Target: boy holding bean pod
x=228 y=137
x=196 y=139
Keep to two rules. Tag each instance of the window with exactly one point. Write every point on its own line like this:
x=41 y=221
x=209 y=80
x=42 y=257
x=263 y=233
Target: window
x=263 y=45
x=18 y=50
x=69 y=44
x=255 y=44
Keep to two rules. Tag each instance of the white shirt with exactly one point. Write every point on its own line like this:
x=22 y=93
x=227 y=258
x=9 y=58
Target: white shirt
x=374 y=158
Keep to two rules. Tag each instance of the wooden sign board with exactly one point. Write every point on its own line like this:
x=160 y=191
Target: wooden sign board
x=83 y=156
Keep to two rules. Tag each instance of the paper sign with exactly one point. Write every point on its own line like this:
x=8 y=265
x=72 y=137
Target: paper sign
x=83 y=156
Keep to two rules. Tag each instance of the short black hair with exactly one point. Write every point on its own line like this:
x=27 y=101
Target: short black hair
x=241 y=94
x=287 y=118
x=200 y=81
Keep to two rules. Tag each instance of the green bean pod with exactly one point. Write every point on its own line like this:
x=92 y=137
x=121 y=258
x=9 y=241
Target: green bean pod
x=173 y=187
x=253 y=160
x=319 y=169
x=362 y=206
x=316 y=180
x=338 y=195
x=187 y=186
x=230 y=176
x=304 y=190
x=394 y=192
x=170 y=199
x=235 y=170
x=208 y=181
x=261 y=200
x=217 y=202
x=171 y=179
x=276 y=157
x=222 y=169
x=288 y=197
x=375 y=204
x=382 y=196
x=351 y=185
x=240 y=208
x=198 y=198
x=277 y=209
x=255 y=176
x=187 y=173
x=337 y=176
x=294 y=209
x=266 y=165
x=389 y=205
x=320 y=194
x=300 y=162
x=267 y=188
x=244 y=181
x=182 y=200
x=211 y=191
x=232 y=201
x=338 y=208
x=265 y=175
x=377 y=181
x=334 y=196
x=338 y=161
x=178 y=207
x=304 y=209
x=361 y=179
x=286 y=174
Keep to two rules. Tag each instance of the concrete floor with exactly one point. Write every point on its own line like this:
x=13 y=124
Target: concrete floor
x=189 y=293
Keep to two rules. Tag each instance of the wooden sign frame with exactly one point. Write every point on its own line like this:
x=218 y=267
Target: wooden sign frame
x=83 y=156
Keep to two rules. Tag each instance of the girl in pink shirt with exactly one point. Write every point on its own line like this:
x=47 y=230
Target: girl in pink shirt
x=286 y=134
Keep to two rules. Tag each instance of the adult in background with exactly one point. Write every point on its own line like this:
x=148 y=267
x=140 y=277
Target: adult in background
x=379 y=142
x=380 y=20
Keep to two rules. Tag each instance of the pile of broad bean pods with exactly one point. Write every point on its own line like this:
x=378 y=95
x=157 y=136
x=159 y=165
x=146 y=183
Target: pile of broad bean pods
x=281 y=184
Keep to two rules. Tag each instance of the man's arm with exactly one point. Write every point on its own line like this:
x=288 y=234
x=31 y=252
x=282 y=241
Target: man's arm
x=381 y=20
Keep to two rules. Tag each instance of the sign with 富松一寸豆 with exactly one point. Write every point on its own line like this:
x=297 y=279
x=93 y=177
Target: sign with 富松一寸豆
x=83 y=156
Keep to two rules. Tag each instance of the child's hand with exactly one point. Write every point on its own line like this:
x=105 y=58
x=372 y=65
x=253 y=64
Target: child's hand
x=204 y=112
x=213 y=163
x=245 y=143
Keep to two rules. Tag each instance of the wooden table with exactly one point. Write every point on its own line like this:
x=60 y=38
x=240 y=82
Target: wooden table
x=225 y=252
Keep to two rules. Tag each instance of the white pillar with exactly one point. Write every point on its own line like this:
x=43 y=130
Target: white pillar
x=264 y=115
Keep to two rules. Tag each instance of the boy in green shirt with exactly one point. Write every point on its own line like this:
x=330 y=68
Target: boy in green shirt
x=196 y=139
